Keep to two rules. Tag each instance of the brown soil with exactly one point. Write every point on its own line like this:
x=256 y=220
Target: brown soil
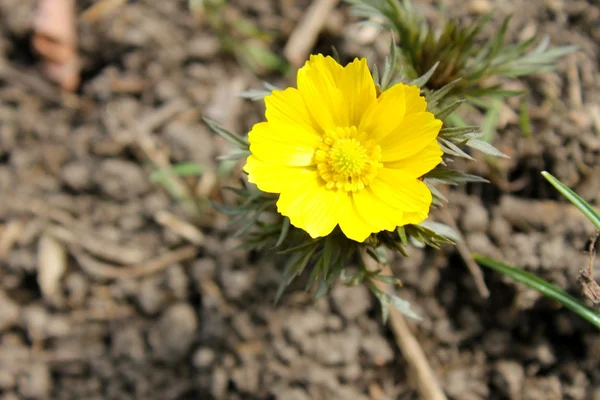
x=102 y=296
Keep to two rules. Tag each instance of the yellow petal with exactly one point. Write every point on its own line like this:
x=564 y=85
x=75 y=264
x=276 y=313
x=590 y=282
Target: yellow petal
x=318 y=85
x=415 y=103
x=385 y=115
x=381 y=216
x=289 y=145
x=336 y=95
x=413 y=218
x=351 y=223
x=400 y=191
x=414 y=133
x=358 y=91
x=311 y=207
x=287 y=108
x=420 y=163
x=273 y=178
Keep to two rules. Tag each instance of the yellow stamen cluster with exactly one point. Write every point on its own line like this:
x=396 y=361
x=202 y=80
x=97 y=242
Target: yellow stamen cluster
x=347 y=160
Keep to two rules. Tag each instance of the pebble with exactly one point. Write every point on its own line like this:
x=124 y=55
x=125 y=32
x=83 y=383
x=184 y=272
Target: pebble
x=177 y=282
x=377 y=350
x=247 y=377
x=475 y=218
x=237 y=283
x=204 y=357
x=121 y=180
x=351 y=302
x=7 y=380
x=333 y=348
x=172 y=335
x=509 y=377
x=36 y=382
x=128 y=342
x=9 y=315
x=547 y=388
x=151 y=298
x=77 y=175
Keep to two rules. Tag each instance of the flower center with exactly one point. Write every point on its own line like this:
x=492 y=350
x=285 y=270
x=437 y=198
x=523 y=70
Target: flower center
x=346 y=160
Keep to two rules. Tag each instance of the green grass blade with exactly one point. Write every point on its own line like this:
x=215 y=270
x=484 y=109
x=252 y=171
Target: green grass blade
x=546 y=288
x=574 y=198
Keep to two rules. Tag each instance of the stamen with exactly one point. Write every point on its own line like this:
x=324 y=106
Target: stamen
x=346 y=160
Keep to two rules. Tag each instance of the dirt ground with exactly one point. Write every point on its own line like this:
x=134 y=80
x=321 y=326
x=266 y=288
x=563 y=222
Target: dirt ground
x=105 y=294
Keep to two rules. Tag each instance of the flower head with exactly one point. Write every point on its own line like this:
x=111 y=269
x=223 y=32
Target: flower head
x=338 y=154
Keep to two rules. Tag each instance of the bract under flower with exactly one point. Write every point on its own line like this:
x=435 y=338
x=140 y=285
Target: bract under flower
x=340 y=155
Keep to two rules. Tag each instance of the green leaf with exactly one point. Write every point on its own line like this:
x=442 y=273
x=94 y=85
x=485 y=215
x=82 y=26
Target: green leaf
x=232 y=138
x=451 y=177
x=162 y=176
x=423 y=79
x=490 y=123
x=486 y=148
x=448 y=110
x=574 y=198
x=389 y=68
x=285 y=228
x=524 y=120
x=392 y=280
x=542 y=286
x=294 y=267
x=442 y=230
x=450 y=148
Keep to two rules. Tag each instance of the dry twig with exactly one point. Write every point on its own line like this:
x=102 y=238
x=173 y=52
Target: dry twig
x=589 y=287
x=429 y=386
x=100 y=270
x=305 y=35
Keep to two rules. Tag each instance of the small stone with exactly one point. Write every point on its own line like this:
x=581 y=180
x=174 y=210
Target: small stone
x=128 y=342
x=151 y=298
x=7 y=380
x=509 y=378
x=547 y=388
x=35 y=319
x=172 y=336
x=177 y=282
x=76 y=287
x=475 y=217
x=284 y=351
x=288 y=393
x=219 y=381
x=121 y=180
x=9 y=315
x=333 y=348
x=237 y=283
x=36 y=382
x=247 y=378
x=203 y=47
x=243 y=325
x=301 y=324
x=77 y=175
x=203 y=357
x=377 y=350
x=351 y=302
x=500 y=230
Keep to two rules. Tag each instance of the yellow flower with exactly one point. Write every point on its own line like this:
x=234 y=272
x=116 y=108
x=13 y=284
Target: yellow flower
x=340 y=155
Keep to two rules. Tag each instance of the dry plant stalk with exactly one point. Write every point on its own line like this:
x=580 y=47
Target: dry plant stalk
x=589 y=287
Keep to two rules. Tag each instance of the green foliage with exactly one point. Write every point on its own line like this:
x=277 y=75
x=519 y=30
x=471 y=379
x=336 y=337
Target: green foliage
x=581 y=204
x=542 y=286
x=457 y=50
x=239 y=36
